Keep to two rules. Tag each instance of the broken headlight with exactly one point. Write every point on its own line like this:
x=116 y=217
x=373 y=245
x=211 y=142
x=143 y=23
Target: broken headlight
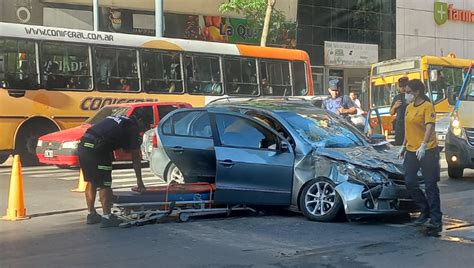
x=363 y=176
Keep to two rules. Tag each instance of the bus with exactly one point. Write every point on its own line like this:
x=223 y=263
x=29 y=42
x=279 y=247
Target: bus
x=442 y=76
x=55 y=78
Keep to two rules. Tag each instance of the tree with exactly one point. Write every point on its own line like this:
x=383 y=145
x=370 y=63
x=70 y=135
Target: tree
x=260 y=14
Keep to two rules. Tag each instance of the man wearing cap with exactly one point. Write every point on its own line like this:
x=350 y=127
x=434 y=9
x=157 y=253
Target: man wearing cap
x=398 y=107
x=341 y=105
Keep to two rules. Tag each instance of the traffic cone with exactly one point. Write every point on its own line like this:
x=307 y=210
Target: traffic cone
x=16 y=204
x=81 y=185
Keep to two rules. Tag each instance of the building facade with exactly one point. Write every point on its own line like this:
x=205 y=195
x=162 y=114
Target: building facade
x=429 y=27
x=343 y=37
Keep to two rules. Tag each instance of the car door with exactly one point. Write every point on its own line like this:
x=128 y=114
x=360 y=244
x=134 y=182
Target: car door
x=186 y=137
x=252 y=168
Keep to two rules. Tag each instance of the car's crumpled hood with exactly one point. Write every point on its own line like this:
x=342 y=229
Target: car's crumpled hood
x=366 y=156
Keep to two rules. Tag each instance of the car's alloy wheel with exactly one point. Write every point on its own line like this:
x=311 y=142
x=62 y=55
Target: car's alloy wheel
x=174 y=174
x=320 y=201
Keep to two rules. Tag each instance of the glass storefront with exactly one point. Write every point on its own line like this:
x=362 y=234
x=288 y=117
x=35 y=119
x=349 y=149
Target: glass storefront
x=351 y=21
x=354 y=21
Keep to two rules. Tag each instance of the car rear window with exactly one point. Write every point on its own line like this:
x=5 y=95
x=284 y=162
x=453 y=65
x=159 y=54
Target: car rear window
x=107 y=111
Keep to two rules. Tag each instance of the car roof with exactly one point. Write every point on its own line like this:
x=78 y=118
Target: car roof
x=146 y=103
x=270 y=105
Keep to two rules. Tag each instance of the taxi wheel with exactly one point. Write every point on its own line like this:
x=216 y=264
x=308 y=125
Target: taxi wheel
x=319 y=200
x=455 y=173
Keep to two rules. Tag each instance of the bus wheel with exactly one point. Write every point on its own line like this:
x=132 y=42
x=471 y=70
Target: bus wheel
x=3 y=158
x=28 y=138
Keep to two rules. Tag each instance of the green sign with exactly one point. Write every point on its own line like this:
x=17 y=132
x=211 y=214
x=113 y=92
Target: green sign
x=440 y=12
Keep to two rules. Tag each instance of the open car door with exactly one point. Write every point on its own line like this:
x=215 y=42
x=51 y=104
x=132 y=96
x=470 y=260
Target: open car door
x=254 y=164
x=373 y=126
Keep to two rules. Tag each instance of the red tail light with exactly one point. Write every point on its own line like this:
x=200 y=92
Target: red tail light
x=154 y=141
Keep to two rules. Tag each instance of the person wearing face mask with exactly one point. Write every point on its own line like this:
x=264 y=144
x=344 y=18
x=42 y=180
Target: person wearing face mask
x=398 y=108
x=420 y=150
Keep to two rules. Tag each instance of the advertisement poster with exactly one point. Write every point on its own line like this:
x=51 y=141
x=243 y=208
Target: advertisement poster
x=195 y=27
x=218 y=29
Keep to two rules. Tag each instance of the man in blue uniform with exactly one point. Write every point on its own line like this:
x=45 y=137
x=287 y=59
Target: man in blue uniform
x=341 y=105
x=95 y=158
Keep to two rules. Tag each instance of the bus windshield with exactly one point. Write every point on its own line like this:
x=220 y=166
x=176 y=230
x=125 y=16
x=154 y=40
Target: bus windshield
x=443 y=80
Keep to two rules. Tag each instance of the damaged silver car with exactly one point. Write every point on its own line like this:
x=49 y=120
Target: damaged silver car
x=281 y=153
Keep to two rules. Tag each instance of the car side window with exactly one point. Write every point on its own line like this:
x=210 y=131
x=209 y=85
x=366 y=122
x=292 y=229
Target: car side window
x=147 y=111
x=236 y=131
x=189 y=123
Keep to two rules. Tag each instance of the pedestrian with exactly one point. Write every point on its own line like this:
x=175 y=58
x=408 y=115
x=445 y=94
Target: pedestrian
x=420 y=150
x=341 y=105
x=356 y=101
x=398 y=108
x=95 y=157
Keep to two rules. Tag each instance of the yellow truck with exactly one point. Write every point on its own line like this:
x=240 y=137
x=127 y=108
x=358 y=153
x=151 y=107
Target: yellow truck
x=460 y=137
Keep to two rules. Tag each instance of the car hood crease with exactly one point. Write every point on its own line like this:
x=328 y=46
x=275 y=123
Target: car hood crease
x=366 y=157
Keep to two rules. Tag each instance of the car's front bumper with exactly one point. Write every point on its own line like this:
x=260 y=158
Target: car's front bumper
x=460 y=148
x=379 y=200
x=60 y=157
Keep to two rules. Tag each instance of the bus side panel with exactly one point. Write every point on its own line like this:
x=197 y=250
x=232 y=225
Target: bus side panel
x=8 y=126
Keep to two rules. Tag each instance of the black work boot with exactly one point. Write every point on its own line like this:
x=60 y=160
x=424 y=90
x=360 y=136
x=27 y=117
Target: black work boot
x=112 y=221
x=93 y=218
x=422 y=219
x=433 y=228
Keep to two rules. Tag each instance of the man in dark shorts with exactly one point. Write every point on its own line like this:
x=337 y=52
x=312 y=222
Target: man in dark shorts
x=95 y=157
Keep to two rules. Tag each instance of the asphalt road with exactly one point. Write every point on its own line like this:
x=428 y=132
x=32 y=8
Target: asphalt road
x=54 y=237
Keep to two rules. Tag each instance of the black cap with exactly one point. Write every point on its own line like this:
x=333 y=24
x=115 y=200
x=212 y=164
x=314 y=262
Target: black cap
x=403 y=81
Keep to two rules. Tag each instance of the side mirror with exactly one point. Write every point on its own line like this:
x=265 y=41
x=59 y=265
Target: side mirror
x=434 y=75
x=284 y=146
x=376 y=138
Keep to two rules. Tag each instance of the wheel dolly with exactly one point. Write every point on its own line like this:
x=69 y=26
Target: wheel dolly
x=181 y=200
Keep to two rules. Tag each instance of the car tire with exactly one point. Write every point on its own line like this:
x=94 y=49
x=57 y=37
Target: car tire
x=455 y=172
x=310 y=200
x=174 y=174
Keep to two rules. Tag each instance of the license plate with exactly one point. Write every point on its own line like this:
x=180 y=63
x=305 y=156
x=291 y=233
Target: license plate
x=48 y=153
x=442 y=137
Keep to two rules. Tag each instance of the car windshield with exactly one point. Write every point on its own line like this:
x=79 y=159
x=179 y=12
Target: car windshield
x=107 y=111
x=323 y=130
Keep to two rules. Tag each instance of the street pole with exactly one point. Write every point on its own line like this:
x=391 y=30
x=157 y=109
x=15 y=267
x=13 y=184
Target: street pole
x=159 y=18
x=95 y=11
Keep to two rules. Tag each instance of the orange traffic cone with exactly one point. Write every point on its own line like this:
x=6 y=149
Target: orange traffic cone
x=81 y=185
x=16 y=204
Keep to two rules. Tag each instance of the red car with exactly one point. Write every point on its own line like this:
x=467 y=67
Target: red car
x=60 y=148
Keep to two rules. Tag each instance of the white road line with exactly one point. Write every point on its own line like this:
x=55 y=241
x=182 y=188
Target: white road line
x=132 y=178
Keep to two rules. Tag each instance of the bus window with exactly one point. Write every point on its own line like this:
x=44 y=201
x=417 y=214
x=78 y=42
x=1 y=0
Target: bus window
x=203 y=75
x=162 y=72
x=442 y=80
x=241 y=76
x=275 y=78
x=299 y=78
x=65 y=66
x=381 y=95
x=116 y=69
x=18 y=64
